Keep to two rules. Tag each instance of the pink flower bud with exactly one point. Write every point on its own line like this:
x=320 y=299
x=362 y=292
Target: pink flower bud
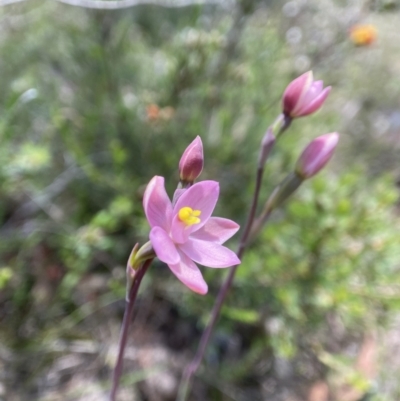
x=304 y=96
x=192 y=161
x=316 y=155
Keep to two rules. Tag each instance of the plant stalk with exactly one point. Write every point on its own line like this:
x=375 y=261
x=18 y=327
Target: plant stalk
x=130 y=303
x=191 y=369
x=278 y=127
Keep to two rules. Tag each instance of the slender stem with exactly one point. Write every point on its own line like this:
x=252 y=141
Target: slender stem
x=195 y=363
x=279 y=126
x=259 y=223
x=125 y=326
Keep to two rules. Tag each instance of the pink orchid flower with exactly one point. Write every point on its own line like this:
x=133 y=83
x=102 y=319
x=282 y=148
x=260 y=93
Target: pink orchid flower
x=185 y=233
x=304 y=96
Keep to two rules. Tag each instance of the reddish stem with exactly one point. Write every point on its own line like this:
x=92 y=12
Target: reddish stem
x=280 y=125
x=195 y=363
x=130 y=303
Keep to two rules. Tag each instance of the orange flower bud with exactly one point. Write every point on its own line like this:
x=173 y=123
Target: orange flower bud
x=363 y=35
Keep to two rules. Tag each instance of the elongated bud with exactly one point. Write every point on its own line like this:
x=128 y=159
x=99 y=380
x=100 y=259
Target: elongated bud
x=286 y=188
x=136 y=258
x=316 y=155
x=267 y=144
x=304 y=96
x=130 y=270
x=283 y=191
x=192 y=162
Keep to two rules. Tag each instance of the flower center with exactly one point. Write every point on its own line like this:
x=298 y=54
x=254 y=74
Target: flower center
x=189 y=216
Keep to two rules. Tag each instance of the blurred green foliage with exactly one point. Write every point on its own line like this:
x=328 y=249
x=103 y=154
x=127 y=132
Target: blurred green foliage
x=334 y=249
x=95 y=103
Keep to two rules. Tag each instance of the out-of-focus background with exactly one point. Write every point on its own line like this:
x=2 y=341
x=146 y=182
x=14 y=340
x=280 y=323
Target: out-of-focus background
x=94 y=103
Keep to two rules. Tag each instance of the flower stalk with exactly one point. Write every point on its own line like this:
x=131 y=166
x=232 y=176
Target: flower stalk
x=278 y=196
x=267 y=144
x=130 y=303
x=312 y=160
x=183 y=233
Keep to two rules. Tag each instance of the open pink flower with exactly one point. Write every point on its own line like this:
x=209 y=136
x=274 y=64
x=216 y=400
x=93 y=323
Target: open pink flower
x=185 y=233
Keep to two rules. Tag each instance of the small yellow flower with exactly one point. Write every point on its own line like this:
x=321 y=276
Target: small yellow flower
x=363 y=35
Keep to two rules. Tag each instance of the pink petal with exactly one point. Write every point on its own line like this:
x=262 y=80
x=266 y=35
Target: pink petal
x=216 y=230
x=307 y=97
x=317 y=154
x=314 y=105
x=313 y=91
x=177 y=194
x=189 y=274
x=317 y=87
x=208 y=253
x=163 y=246
x=294 y=91
x=180 y=231
x=157 y=206
x=192 y=161
x=202 y=196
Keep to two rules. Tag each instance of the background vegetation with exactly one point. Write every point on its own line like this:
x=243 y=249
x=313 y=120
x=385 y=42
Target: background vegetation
x=94 y=103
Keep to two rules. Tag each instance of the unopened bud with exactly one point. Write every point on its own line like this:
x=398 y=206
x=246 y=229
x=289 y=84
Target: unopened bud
x=267 y=144
x=136 y=258
x=192 y=162
x=304 y=96
x=283 y=191
x=316 y=155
